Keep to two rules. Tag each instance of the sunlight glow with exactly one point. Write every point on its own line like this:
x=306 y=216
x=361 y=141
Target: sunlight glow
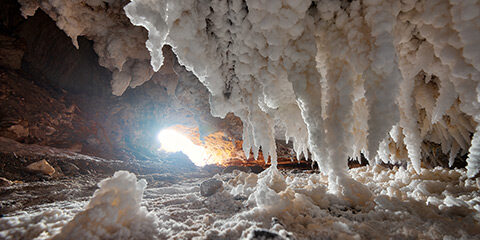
x=173 y=141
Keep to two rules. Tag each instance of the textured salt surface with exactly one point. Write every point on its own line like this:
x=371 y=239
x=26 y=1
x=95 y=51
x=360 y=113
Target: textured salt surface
x=436 y=204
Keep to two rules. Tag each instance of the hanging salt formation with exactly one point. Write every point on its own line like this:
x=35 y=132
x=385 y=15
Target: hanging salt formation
x=384 y=78
x=342 y=77
x=119 y=45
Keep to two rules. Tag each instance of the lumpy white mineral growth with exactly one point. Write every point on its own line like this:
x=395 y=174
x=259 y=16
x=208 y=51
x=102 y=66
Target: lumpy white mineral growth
x=338 y=76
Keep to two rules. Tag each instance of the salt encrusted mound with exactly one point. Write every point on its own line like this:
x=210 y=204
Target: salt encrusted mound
x=438 y=203
x=382 y=78
x=114 y=212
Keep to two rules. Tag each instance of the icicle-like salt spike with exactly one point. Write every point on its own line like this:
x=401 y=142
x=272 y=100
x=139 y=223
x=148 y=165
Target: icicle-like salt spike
x=445 y=99
x=408 y=121
x=473 y=160
x=408 y=112
x=247 y=139
x=383 y=76
x=453 y=153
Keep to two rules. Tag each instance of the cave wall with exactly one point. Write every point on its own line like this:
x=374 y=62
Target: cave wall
x=57 y=95
x=52 y=54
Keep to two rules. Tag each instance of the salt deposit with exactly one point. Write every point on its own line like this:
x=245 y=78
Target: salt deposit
x=341 y=78
x=114 y=212
x=119 y=45
x=435 y=204
x=382 y=78
x=386 y=79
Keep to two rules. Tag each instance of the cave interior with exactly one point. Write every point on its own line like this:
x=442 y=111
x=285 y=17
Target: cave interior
x=195 y=119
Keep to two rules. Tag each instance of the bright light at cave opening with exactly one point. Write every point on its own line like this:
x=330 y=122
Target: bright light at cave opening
x=173 y=141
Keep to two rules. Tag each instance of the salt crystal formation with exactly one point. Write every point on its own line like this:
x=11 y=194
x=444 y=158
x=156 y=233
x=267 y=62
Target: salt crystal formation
x=382 y=78
x=437 y=203
x=114 y=212
x=119 y=45
x=389 y=79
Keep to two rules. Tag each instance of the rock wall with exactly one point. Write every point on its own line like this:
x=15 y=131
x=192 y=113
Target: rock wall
x=57 y=95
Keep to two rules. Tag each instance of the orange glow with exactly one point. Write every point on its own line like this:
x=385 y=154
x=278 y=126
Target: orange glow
x=215 y=148
x=173 y=141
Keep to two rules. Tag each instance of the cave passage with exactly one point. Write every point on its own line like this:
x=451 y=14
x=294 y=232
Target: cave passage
x=239 y=119
x=173 y=141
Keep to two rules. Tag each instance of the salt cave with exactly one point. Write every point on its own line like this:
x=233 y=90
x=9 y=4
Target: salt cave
x=240 y=119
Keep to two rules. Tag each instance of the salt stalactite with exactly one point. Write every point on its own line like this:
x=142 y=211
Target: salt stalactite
x=344 y=73
x=382 y=76
x=408 y=115
x=119 y=45
x=114 y=212
x=337 y=75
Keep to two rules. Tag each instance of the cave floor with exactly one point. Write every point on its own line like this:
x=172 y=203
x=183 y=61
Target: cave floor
x=438 y=203
x=289 y=204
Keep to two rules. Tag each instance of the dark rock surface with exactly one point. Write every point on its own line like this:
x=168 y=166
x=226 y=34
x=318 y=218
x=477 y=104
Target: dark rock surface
x=11 y=52
x=256 y=169
x=263 y=234
x=210 y=187
x=15 y=157
x=230 y=169
x=5 y=182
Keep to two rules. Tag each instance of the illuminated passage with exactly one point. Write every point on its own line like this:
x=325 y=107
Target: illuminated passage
x=173 y=141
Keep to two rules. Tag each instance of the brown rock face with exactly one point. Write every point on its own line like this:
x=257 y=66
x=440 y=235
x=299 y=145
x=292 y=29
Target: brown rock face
x=11 y=52
x=5 y=182
x=41 y=166
x=50 y=53
x=32 y=114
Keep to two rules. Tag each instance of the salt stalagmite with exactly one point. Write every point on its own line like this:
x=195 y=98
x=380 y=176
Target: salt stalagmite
x=114 y=212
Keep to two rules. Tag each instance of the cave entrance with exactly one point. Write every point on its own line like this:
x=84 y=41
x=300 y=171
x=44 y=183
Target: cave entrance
x=173 y=140
x=212 y=148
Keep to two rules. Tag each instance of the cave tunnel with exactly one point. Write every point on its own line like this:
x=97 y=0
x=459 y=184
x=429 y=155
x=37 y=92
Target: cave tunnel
x=257 y=119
